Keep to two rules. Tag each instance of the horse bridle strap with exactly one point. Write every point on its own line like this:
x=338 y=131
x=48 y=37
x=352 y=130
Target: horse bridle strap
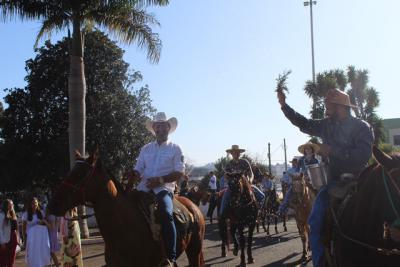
x=82 y=185
x=384 y=251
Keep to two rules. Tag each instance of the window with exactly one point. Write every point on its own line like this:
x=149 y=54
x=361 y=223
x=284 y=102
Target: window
x=396 y=140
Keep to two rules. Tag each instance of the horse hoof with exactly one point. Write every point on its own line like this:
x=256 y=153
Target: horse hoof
x=223 y=253
x=235 y=251
x=285 y=229
x=250 y=260
x=243 y=264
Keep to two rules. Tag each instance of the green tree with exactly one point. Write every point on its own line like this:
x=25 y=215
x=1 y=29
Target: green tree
x=355 y=83
x=127 y=20
x=36 y=119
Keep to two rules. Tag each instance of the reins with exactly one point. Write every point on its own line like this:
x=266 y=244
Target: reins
x=384 y=251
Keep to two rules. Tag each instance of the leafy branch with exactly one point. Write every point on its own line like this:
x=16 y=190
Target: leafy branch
x=281 y=83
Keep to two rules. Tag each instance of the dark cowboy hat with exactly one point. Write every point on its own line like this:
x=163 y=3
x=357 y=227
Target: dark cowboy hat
x=235 y=148
x=338 y=97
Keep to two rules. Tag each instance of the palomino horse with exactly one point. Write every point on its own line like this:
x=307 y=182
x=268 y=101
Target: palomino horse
x=127 y=234
x=241 y=211
x=301 y=201
x=364 y=226
x=269 y=212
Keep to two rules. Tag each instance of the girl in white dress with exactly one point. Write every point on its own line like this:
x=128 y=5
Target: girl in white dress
x=37 y=236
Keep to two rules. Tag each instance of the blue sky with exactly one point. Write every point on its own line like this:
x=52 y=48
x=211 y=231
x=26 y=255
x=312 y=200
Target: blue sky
x=220 y=59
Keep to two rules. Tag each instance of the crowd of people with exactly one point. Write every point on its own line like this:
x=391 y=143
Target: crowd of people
x=47 y=240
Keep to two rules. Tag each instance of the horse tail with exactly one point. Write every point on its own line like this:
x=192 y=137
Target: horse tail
x=194 y=249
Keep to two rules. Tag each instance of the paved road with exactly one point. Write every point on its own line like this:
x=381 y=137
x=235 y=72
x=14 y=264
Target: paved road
x=282 y=249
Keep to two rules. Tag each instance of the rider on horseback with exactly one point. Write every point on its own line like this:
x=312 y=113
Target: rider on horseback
x=347 y=147
x=238 y=165
x=159 y=165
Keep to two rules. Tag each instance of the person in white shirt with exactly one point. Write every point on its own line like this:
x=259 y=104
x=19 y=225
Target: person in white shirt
x=159 y=165
x=212 y=184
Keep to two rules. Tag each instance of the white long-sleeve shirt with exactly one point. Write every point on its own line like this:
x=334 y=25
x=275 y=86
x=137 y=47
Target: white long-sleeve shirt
x=5 y=229
x=159 y=160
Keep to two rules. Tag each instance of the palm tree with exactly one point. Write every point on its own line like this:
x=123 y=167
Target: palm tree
x=126 y=20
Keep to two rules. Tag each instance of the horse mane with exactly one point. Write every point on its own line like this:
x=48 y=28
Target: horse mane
x=117 y=183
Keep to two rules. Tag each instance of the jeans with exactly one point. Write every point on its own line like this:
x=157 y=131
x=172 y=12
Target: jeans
x=316 y=221
x=168 y=230
x=260 y=196
x=283 y=208
x=224 y=201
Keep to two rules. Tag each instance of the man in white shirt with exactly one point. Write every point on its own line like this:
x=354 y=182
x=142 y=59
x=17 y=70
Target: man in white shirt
x=159 y=165
x=212 y=184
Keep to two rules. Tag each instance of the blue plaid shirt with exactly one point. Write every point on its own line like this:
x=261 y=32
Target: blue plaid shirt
x=350 y=140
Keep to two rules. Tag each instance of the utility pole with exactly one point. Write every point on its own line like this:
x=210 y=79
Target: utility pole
x=311 y=3
x=284 y=149
x=269 y=158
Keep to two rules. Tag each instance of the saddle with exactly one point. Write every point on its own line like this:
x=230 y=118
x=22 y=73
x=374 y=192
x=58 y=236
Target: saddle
x=183 y=218
x=339 y=196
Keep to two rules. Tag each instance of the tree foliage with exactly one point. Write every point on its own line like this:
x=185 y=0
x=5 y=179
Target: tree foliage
x=35 y=123
x=355 y=83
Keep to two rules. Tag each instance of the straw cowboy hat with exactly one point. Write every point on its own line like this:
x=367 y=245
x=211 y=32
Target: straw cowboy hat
x=161 y=117
x=336 y=96
x=313 y=146
x=235 y=148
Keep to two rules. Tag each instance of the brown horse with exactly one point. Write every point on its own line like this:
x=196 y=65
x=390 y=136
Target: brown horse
x=301 y=201
x=241 y=211
x=120 y=217
x=364 y=226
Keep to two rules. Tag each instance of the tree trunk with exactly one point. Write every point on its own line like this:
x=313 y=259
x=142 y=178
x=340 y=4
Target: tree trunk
x=77 y=106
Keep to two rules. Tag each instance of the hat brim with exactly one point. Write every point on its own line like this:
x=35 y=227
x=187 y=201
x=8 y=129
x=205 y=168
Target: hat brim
x=231 y=150
x=173 y=123
x=315 y=147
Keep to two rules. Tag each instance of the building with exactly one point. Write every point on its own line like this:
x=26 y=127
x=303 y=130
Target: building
x=392 y=131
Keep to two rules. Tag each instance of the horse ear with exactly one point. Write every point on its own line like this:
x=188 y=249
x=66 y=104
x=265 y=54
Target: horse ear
x=382 y=158
x=94 y=156
x=77 y=154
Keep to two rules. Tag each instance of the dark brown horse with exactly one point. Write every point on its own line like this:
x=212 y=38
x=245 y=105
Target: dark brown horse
x=241 y=211
x=120 y=217
x=269 y=212
x=363 y=237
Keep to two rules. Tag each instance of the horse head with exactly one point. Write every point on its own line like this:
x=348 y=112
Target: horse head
x=78 y=187
x=298 y=184
x=391 y=164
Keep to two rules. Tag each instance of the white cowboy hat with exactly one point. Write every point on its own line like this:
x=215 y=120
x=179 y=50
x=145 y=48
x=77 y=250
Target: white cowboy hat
x=235 y=148
x=161 y=117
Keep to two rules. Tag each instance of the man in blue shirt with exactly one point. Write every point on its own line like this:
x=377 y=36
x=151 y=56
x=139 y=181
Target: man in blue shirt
x=346 y=148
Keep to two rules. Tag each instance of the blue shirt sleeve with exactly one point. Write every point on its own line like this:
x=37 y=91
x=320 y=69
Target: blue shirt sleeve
x=308 y=126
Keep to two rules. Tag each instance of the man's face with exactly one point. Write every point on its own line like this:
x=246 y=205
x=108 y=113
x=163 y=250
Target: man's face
x=294 y=163
x=330 y=109
x=235 y=154
x=161 y=130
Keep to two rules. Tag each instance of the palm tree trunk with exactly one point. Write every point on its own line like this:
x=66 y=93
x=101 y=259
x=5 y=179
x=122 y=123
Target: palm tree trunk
x=77 y=106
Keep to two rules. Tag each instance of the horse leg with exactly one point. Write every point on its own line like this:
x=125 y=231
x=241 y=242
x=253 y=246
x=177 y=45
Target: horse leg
x=284 y=223
x=300 y=228
x=234 y=227
x=242 y=243
x=223 y=234
x=249 y=244
x=268 y=223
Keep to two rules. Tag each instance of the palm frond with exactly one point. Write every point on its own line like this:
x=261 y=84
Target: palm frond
x=23 y=9
x=129 y=26
x=56 y=23
x=281 y=83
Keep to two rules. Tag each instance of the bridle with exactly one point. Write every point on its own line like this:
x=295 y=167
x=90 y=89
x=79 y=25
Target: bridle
x=81 y=186
x=379 y=250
